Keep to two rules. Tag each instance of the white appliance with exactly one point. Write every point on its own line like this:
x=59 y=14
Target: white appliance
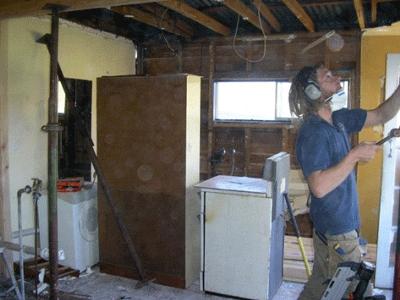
x=77 y=227
x=242 y=232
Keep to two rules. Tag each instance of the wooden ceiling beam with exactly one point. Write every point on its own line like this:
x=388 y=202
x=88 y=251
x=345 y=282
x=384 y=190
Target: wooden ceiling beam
x=358 y=6
x=300 y=13
x=374 y=5
x=161 y=22
x=20 y=8
x=247 y=14
x=267 y=14
x=196 y=15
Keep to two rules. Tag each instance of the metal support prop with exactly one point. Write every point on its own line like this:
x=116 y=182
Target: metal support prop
x=88 y=143
x=53 y=128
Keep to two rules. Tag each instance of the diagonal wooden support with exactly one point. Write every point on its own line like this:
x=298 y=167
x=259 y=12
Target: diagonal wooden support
x=102 y=180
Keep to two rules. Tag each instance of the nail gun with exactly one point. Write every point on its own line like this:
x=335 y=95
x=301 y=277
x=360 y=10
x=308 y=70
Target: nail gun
x=343 y=277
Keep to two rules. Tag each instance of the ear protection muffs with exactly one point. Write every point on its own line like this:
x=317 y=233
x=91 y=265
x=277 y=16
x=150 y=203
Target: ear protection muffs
x=310 y=87
x=312 y=91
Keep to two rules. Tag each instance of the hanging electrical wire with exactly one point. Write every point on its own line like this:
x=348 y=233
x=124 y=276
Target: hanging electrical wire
x=174 y=51
x=264 y=40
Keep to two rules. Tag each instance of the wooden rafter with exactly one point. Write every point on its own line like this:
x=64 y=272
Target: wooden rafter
x=360 y=12
x=267 y=14
x=164 y=12
x=19 y=8
x=374 y=5
x=247 y=14
x=160 y=22
x=300 y=13
x=196 y=15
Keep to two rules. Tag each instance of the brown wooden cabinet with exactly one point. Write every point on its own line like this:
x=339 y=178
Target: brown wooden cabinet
x=149 y=148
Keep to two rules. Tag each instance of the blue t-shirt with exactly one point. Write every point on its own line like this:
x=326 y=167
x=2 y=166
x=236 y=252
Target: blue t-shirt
x=319 y=146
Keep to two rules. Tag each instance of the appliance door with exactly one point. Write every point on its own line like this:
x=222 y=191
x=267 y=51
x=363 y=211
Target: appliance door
x=236 y=244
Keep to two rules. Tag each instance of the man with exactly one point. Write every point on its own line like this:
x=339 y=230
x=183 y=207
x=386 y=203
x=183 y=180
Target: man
x=325 y=155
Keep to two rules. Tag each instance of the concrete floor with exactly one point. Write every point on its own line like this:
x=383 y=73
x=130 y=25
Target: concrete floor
x=100 y=286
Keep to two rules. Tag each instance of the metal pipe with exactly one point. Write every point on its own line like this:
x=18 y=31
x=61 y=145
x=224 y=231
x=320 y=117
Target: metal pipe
x=27 y=189
x=53 y=156
x=36 y=187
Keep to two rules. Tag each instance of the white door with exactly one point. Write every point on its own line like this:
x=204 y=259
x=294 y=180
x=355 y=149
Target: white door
x=390 y=188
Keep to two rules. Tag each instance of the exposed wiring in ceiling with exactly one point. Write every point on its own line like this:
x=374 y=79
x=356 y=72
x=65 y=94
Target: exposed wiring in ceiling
x=174 y=51
x=264 y=40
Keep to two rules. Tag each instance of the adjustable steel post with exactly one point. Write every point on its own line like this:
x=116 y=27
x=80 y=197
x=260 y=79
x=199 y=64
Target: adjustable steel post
x=53 y=128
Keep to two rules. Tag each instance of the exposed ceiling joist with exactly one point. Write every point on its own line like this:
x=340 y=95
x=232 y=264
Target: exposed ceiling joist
x=19 y=8
x=160 y=22
x=267 y=14
x=374 y=5
x=197 y=16
x=360 y=13
x=300 y=13
x=247 y=14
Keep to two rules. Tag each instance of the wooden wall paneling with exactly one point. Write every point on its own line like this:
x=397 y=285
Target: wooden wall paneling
x=264 y=143
x=159 y=66
x=139 y=65
x=247 y=154
x=291 y=145
x=227 y=60
x=327 y=57
x=148 y=145
x=210 y=115
x=179 y=57
x=285 y=140
x=289 y=56
x=230 y=139
x=249 y=55
x=204 y=162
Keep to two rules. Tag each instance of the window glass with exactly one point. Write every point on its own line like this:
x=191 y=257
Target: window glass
x=260 y=100
x=244 y=100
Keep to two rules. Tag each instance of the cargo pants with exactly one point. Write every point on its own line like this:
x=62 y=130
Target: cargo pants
x=339 y=248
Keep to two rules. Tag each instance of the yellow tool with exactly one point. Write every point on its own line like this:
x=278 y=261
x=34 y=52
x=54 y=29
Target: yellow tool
x=299 y=239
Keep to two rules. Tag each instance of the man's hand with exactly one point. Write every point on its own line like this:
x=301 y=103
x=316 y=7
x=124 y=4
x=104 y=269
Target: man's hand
x=364 y=151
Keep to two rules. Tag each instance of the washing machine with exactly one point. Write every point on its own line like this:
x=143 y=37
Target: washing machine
x=77 y=227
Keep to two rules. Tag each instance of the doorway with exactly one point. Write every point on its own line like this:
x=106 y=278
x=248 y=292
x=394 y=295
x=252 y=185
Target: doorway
x=73 y=159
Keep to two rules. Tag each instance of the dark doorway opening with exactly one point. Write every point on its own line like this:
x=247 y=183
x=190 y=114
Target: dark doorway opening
x=73 y=158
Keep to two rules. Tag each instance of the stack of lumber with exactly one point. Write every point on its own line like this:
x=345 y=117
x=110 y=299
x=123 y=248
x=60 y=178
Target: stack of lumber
x=293 y=265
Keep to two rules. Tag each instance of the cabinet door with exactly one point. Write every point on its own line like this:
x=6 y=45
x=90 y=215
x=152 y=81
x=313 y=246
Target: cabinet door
x=236 y=244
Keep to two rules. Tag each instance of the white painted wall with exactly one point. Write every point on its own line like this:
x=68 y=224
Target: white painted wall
x=83 y=54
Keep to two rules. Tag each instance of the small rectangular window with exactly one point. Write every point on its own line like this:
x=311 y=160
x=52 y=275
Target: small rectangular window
x=259 y=100
x=244 y=100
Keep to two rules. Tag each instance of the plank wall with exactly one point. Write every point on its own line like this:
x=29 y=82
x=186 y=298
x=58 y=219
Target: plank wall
x=214 y=59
